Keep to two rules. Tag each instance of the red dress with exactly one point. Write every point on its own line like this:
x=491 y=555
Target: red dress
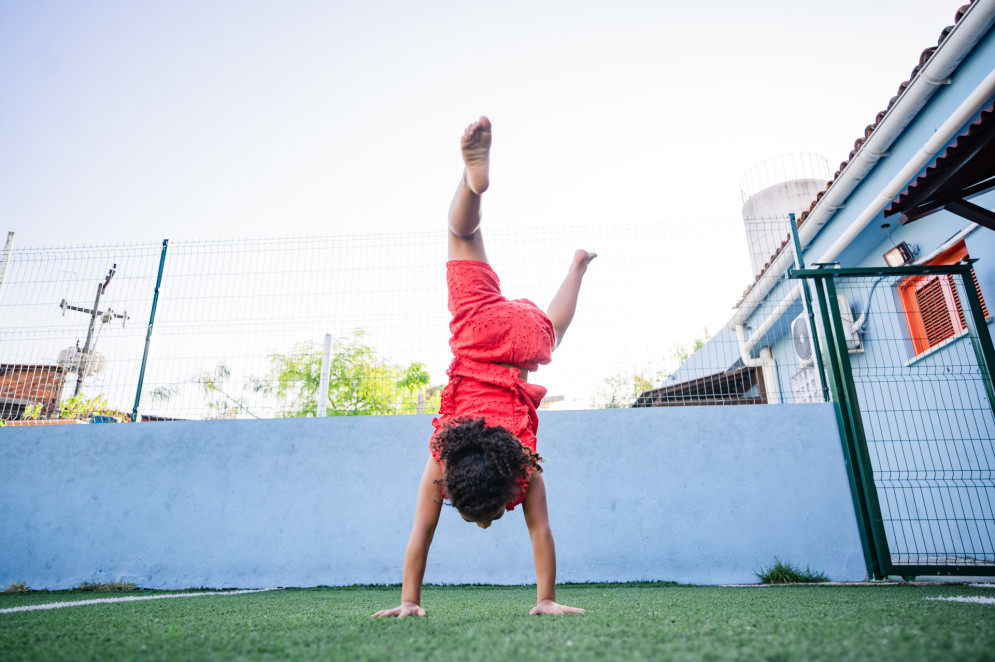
x=487 y=330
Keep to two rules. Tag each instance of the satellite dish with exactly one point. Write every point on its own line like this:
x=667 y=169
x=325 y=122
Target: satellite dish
x=72 y=359
x=801 y=338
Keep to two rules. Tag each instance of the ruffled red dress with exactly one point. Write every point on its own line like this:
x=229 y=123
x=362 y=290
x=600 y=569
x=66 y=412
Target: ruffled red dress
x=488 y=330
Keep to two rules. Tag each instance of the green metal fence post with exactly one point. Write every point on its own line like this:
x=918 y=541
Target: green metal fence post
x=816 y=349
x=981 y=339
x=846 y=436
x=862 y=457
x=148 y=333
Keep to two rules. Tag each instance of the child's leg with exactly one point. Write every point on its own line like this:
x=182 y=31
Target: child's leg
x=465 y=240
x=564 y=304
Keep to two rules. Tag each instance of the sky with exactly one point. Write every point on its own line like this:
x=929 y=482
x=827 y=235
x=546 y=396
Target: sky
x=632 y=123
x=134 y=122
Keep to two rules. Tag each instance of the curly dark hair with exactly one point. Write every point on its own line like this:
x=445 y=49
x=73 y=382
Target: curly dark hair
x=483 y=466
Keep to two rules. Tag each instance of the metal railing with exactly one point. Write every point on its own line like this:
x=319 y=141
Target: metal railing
x=237 y=328
x=911 y=379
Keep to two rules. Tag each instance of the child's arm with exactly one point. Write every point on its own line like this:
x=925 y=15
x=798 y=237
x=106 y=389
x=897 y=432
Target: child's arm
x=564 y=304
x=543 y=550
x=426 y=518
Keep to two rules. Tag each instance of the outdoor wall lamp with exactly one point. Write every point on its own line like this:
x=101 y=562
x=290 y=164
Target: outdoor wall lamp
x=898 y=256
x=901 y=254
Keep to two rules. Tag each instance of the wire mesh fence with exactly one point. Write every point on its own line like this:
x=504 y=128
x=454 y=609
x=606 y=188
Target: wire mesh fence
x=240 y=326
x=909 y=359
x=926 y=407
x=765 y=353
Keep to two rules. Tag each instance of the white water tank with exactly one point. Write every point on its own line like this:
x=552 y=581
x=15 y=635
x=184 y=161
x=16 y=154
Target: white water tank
x=773 y=189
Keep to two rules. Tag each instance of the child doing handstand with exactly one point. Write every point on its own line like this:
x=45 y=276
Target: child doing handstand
x=484 y=447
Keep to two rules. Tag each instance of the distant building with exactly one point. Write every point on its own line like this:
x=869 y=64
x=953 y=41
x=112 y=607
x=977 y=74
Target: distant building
x=23 y=386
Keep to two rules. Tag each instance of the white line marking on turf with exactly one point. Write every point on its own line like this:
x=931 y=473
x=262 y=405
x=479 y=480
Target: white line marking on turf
x=963 y=598
x=136 y=598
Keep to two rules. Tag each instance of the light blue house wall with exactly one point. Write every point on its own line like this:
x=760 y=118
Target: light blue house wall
x=696 y=495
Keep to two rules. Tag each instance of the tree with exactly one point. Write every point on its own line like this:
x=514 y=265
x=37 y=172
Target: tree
x=682 y=355
x=623 y=389
x=216 y=389
x=359 y=382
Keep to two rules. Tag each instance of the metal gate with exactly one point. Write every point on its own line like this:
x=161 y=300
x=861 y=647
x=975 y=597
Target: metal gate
x=908 y=359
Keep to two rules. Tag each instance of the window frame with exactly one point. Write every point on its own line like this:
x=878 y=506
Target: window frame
x=951 y=308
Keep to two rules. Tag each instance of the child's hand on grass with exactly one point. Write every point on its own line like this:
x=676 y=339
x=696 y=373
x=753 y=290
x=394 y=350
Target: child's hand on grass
x=550 y=607
x=406 y=609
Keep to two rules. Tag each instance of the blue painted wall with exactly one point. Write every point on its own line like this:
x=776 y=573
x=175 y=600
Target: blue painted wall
x=698 y=495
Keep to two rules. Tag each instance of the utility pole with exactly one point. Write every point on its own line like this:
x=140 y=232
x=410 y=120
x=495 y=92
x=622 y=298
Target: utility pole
x=105 y=316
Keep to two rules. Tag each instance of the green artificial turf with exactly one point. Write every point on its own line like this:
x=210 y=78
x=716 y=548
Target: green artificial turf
x=624 y=622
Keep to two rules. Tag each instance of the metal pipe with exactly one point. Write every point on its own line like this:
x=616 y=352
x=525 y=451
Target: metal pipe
x=767 y=365
x=770 y=320
x=744 y=350
x=769 y=370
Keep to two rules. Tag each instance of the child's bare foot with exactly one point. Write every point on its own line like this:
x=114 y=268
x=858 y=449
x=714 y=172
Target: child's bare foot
x=582 y=258
x=476 y=147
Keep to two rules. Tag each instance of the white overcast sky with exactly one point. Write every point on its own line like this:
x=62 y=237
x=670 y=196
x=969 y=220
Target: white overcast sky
x=138 y=121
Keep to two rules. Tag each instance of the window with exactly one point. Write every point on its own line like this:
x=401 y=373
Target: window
x=933 y=310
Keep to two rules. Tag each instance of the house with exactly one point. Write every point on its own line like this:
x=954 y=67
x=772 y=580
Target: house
x=860 y=305
x=23 y=386
x=918 y=186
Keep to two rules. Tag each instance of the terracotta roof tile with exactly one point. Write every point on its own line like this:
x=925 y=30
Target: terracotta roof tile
x=962 y=141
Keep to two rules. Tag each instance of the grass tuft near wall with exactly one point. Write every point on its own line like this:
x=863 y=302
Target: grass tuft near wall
x=780 y=572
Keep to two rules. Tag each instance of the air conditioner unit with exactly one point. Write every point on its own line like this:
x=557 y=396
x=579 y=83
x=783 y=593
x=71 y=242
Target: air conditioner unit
x=801 y=339
x=850 y=329
x=801 y=333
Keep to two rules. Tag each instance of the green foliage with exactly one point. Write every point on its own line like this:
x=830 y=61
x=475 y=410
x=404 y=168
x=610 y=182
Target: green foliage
x=80 y=407
x=682 y=354
x=108 y=587
x=163 y=393
x=622 y=390
x=218 y=392
x=360 y=382
x=32 y=412
x=785 y=573
x=17 y=587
